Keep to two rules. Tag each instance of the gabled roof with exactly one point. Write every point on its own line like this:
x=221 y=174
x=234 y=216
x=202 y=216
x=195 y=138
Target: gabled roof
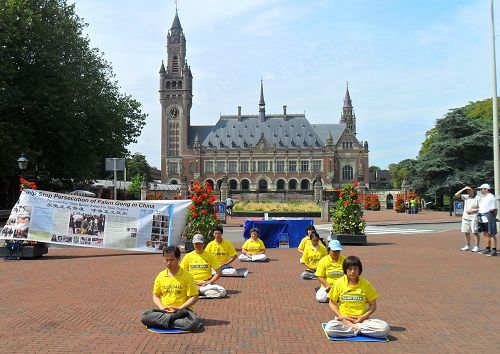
x=292 y=131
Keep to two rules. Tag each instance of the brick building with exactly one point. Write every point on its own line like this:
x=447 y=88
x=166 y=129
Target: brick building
x=262 y=151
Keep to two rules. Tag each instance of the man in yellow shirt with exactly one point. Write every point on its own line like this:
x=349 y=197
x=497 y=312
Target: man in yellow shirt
x=329 y=269
x=353 y=301
x=174 y=293
x=222 y=250
x=200 y=264
x=313 y=252
x=253 y=250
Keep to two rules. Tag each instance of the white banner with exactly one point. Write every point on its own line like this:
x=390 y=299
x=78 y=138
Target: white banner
x=136 y=225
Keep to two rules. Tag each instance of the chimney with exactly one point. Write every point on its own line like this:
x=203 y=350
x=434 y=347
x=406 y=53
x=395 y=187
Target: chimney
x=239 y=113
x=284 y=110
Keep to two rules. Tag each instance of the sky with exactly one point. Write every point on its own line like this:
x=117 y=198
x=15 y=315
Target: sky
x=407 y=62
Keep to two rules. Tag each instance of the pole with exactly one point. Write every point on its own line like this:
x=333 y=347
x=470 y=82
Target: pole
x=496 y=152
x=114 y=177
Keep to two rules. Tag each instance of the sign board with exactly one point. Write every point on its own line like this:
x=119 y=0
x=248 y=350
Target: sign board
x=110 y=164
x=220 y=210
x=458 y=207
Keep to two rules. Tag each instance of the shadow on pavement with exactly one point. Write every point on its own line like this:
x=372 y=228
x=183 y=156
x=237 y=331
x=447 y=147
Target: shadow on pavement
x=379 y=243
x=208 y=322
x=99 y=255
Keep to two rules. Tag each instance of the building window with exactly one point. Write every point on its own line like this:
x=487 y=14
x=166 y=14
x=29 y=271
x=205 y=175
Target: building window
x=292 y=166
x=253 y=167
x=347 y=173
x=280 y=184
x=232 y=166
x=304 y=166
x=245 y=184
x=244 y=166
x=280 y=166
x=191 y=167
x=173 y=167
x=175 y=65
x=262 y=166
x=292 y=184
x=209 y=166
x=221 y=166
x=316 y=165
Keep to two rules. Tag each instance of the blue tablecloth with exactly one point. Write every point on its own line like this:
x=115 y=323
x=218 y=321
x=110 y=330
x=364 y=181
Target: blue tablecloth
x=270 y=230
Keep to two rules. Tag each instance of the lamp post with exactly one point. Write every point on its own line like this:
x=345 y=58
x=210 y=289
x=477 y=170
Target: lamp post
x=448 y=182
x=405 y=186
x=22 y=163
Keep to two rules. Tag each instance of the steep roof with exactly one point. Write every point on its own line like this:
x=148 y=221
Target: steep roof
x=292 y=131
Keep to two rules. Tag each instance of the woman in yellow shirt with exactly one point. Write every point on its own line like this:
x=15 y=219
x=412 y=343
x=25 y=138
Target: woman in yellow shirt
x=253 y=250
x=353 y=301
x=329 y=269
x=313 y=252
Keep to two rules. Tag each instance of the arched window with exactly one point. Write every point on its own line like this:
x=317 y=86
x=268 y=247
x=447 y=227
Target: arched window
x=304 y=184
x=263 y=184
x=280 y=184
x=347 y=173
x=175 y=64
x=292 y=184
x=174 y=84
x=245 y=184
x=219 y=183
x=174 y=181
x=210 y=182
x=233 y=184
x=167 y=85
x=179 y=84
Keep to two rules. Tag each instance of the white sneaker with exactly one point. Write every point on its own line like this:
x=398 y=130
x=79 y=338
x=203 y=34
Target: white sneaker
x=475 y=249
x=465 y=248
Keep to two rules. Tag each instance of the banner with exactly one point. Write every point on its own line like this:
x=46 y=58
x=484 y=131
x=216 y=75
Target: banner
x=135 y=225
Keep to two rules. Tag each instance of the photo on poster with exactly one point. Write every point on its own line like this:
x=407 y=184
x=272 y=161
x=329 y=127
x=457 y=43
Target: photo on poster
x=86 y=224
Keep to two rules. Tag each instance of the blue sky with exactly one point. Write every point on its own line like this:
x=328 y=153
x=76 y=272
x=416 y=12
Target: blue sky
x=407 y=61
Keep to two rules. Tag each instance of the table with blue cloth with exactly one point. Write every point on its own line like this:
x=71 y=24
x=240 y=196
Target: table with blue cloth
x=271 y=229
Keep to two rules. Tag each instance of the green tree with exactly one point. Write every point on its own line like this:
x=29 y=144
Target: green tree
x=137 y=164
x=460 y=152
x=373 y=168
x=134 y=189
x=398 y=172
x=59 y=100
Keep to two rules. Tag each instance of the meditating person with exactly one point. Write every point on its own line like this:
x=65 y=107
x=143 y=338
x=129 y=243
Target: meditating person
x=253 y=250
x=200 y=264
x=222 y=250
x=313 y=252
x=174 y=293
x=306 y=239
x=329 y=269
x=353 y=300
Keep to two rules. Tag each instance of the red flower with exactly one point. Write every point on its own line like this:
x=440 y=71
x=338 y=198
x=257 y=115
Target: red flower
x=352 y=194
x=211 y=200
x=341 y=194
x=195 y=215
x=198 y=190
x=22 y=180
x=356 y=184
x=215 y=216
x=196 y=183
x=337 y=190
x=346 y=203
x=193 y=208
x=203 y=211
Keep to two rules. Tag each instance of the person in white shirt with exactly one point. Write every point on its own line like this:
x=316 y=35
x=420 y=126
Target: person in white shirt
x=487 y=211
x=469 y=216
x=229 y=206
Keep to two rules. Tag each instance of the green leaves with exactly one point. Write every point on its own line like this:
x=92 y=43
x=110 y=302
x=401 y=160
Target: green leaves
x=348 y=215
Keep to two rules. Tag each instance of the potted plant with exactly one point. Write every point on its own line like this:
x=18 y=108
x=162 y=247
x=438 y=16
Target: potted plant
x=374 y=202
x=399 y=204
x=348 y=223
x=367 y=202
x=201 y=214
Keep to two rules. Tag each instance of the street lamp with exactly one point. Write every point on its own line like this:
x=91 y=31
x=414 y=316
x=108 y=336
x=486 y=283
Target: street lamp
x=448 y=181
x=22 y=162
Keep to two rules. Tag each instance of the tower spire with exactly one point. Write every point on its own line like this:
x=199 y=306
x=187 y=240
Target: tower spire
x=262 y=103
x=348 y=117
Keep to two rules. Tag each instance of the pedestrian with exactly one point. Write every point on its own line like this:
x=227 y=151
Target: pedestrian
x=229 y=206
x=487 y=213
x=469 y=216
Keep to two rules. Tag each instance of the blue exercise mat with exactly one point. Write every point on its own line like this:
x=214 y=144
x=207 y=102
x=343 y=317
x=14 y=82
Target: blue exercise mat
x=358 y=338
x=164 y=330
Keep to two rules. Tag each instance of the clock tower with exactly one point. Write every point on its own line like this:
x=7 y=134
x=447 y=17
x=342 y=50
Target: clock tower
x=176 y=97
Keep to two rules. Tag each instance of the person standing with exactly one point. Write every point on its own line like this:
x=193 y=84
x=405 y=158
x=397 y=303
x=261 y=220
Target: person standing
x=469 y=216
x=487 y=212
x=229 y=206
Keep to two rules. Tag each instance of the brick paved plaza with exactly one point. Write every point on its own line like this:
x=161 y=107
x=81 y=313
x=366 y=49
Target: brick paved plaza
x=436 y=299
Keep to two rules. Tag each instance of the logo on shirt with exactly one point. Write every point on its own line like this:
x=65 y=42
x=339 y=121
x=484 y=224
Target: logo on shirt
x=198 y=266
x=351 y=298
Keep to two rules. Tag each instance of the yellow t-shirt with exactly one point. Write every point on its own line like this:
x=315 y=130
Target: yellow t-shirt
x=312 y=256
x=222 y=252
x=200 y=265
x=329 y=269
x=174 y=290
x=304 y=242
x=352 y=299
x=253 y=247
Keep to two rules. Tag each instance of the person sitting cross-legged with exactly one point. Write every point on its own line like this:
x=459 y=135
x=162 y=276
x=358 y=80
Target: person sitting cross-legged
x=313 y=252
x=174 y=293
x=200 y=264
x=253 y=250
x=329 y=269
x=353 y=300
x=222 y=250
